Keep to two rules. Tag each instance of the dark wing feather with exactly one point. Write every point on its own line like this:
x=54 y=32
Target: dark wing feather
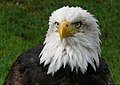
x=105 y=73
x=27 y=71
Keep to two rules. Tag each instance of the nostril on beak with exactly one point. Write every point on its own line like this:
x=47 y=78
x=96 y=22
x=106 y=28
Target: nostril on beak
x=66 y=25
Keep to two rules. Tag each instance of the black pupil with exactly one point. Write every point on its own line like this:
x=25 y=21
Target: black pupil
x=56 y=23
x=78 y=23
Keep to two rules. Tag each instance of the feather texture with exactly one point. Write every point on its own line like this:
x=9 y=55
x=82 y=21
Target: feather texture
x=77 y=51
x=26 y=70
x=75 y=60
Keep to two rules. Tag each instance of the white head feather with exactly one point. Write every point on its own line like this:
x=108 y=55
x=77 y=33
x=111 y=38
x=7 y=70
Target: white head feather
x=76 y=51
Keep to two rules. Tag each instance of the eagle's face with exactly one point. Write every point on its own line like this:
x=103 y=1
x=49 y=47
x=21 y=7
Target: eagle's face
x=71 y=21
x=73 y=39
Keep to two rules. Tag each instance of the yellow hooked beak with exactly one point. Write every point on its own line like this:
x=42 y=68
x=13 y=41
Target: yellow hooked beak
x=66 y=30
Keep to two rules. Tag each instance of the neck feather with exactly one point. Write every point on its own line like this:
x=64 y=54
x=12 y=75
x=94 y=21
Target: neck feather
x=76 y=51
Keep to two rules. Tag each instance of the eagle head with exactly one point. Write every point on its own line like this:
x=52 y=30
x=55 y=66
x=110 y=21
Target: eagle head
x=72 y=39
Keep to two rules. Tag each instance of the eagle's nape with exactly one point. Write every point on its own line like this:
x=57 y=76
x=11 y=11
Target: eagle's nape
x=27 y=71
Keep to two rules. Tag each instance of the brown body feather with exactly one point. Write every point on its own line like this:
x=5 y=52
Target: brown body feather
x=27 y=71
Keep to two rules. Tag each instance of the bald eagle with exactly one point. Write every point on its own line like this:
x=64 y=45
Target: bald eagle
x=70 y=54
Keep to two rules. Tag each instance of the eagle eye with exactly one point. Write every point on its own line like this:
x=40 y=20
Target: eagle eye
x=56 y=24
x=78 y=24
